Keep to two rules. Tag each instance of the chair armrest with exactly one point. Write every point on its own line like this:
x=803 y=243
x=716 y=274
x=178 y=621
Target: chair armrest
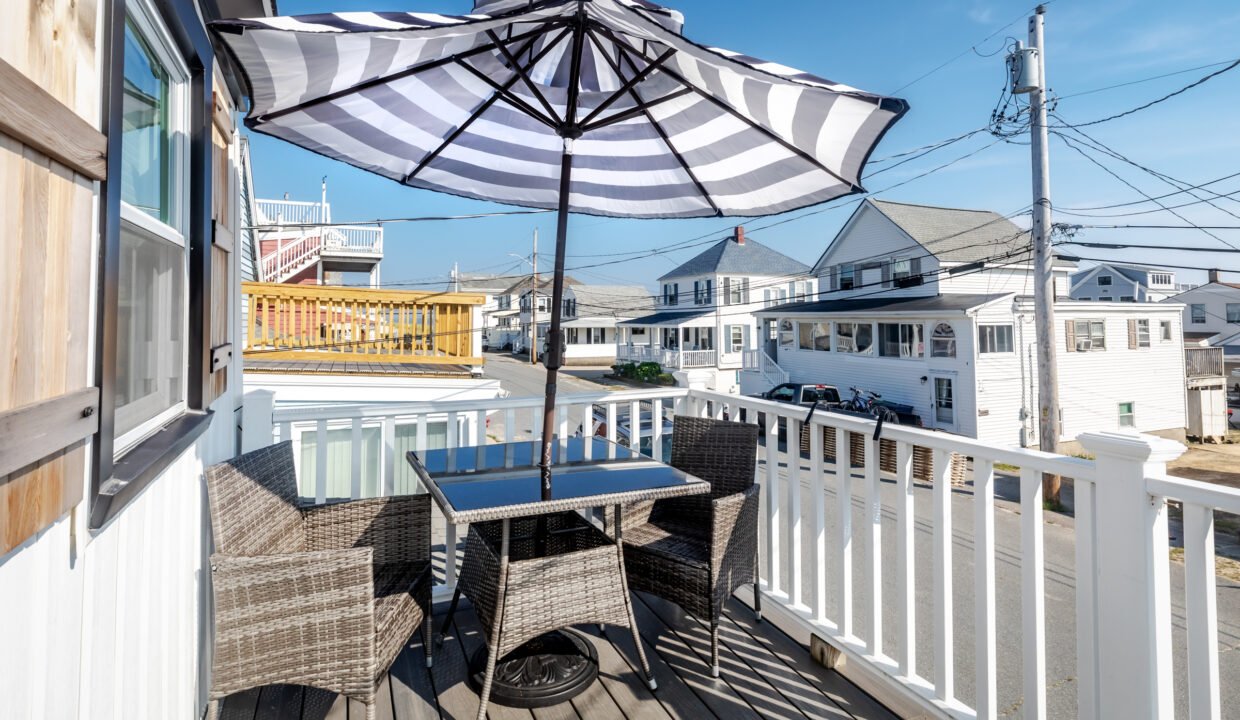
x=293 y=618
x=734 y=526
x=398 y=528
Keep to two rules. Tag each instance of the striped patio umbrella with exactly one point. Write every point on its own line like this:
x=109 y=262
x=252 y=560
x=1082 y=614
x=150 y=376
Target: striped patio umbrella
x=600 y=107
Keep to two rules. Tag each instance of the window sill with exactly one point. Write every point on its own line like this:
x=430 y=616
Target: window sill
x=144 y=462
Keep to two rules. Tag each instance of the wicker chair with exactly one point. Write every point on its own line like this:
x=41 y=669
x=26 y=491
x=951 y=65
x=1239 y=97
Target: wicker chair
x=695 y=551
x=324 y=596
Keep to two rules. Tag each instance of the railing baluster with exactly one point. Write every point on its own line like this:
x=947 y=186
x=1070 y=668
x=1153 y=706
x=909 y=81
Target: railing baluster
x=1201 y=612
x=479 y=436
x=1084 y=495
x=587 y=429
x=388 y=486
x=635 y=425
x=984 y=587
x=943 y=636
x=656 y=430
x=355 y=460
x=320 y=462
x=874 y=543
x=818 y=530
x=793 y=456
x=510 y=421
x=773 y=569
x=453 y=439
x=1033 y=593
x=906 y=576
x=843 y=529
x=611 y=429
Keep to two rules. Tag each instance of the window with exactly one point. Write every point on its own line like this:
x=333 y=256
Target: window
x=596 y=336
x=1088 y=335
x=544 y=304
x=1126 y=298
x=736 y=291
x=571 y=336
x=1197 y=312
x=1233 y=312
x=568 y=307
x=152 y=306
x=1161 y=279
x=851 y=337
x=1127 y=415
x=774 y=296
x=1104 y=280
x=822 y=336
x=1166 y=329
x=785 y=333
x=801 y=290
x=943 y=341
x=1085 y=299
x=671 y=293
x=847 y=277
x=783 y=393
x=805 y=335
x=736 y=338
x=902 y=340
x=703 y=292
x=994 y=339
x=1143 y=333
x=505 y=302
x=901 y=270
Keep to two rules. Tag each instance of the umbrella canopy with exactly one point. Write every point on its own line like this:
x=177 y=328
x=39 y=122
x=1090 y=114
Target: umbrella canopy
x=474 y=105
x=587 y=106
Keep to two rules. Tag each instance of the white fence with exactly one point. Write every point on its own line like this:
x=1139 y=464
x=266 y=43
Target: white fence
x=1123 y=598
x=669 y=359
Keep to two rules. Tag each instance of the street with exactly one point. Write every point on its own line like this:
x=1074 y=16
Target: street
x=1060 y=597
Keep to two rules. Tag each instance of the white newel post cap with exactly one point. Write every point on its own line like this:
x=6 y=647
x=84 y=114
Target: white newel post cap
x=1132 y=447
x=692 y=379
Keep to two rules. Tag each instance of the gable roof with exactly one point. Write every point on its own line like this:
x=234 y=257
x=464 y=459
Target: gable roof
x=957 y=235
x=729 y=256
x=1134 y=272
x=545 y=280
x=947 y=303
x=612 y=300
x=469 y=282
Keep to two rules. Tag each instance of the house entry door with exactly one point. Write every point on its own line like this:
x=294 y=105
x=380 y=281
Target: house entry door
x=944 y=403
x=770 y=333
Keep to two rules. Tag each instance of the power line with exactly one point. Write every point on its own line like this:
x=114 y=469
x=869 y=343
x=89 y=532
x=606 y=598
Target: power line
x=1166 y=265
x=1128 y=246
x=388 y=221
x=1168 y=96
x=1143 y=80
x=1156 y=197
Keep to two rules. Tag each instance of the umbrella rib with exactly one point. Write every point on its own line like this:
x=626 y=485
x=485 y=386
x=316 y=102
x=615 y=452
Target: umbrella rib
x=625 y=48
x=505 y=93
x=628 y=85
x=544 y=26
x=644 y=108
x=635 y=111
x=451 y=138
x=524 y=75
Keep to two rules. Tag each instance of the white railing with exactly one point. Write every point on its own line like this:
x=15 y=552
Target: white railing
x=290 y=256
x=841 y=544
x=669 y=359
x=291 y=212
x=758 y=361
x=696 y=358
x=354 y=240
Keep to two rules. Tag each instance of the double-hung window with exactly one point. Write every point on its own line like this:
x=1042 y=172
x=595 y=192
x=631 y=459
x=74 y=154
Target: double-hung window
x=847 y=277
x=1104 y=280
x=902 y=340
x=1127 y=415
x=1197 y=313
x=152 y=307
x=1233 y=312
x=1165 y=325
x=736 y=338
x=994 y=339
x=671 y=293
x=1143 y=333
x=703 y=291
x=736 y=291
x=1090 y=335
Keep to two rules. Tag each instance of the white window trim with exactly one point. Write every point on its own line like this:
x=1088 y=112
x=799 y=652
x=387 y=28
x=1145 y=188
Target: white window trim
x=146 y=20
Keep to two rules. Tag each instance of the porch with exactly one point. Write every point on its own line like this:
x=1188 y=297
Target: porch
x=668 y=359
x=935 y=598
x=766 y=674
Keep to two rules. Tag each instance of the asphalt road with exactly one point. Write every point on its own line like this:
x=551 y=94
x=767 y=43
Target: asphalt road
x=1060 y=598
x=521 y=379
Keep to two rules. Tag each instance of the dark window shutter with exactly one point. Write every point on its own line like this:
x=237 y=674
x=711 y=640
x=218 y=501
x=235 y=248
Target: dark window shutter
x=833 y=283
x=887 y=274
x=914 y=269
x=1069 y=330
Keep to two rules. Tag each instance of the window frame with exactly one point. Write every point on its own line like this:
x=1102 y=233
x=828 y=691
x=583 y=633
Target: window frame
x=916 y=341
x=1192 y=313
x=1227 y=312
x=1131 y=414
x=1164 y=333
x=735 y=338
x=994 y=331
x=1104 y=280
x=1144 y=339
x=949 y=339
x=848 y=270
x=1088 y=336
x=841 y=345
x=117 y=480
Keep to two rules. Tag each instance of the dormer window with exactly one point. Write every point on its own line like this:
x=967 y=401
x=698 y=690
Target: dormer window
x=847 y=277
x=1161 y=279
x=671 y=293
x=1104 y=280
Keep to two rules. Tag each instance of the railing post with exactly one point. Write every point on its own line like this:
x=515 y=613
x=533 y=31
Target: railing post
x=1132 y=577
x=257 y=409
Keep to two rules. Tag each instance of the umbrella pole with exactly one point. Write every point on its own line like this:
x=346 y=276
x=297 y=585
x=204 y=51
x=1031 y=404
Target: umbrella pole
x=553 y=358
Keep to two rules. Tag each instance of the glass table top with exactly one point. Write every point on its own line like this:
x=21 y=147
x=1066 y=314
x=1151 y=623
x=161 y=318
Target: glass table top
x=503 y=480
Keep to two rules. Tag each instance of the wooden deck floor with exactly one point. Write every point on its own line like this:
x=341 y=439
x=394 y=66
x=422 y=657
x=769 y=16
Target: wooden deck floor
x=765 y=674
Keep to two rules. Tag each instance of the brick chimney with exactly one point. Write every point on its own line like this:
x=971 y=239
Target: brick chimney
x=739 y=235
x=1214 y=276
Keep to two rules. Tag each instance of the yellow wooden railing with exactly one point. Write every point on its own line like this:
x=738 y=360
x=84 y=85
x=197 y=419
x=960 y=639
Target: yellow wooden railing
x=324 y=322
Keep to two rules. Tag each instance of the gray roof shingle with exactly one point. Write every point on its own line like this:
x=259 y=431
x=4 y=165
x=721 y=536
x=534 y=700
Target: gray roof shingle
x=728 y=256
x=612 y=300
x=956 y=235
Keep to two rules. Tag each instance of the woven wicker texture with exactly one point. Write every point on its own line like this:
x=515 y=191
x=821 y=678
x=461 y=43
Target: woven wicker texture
x=696 y=551
x=324 y=596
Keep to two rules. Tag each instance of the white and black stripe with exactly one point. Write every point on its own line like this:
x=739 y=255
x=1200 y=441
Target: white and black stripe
x=707 y=132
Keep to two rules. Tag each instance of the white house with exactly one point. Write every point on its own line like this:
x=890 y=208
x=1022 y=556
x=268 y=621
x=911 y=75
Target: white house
x=591 y=316
x=1122 y=282
x=494 y=289
x=532 y=310
x=901 y=324
x=706 y=311
x=1212 y=317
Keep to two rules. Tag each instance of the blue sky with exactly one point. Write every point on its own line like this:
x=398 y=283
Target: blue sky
x=878 y=46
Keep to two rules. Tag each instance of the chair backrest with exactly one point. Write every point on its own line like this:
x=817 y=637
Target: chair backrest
x=253 y=499
x=720 y=452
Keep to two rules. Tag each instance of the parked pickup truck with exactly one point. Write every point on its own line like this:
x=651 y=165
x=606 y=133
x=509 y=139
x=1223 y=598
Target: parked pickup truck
x=802 y=394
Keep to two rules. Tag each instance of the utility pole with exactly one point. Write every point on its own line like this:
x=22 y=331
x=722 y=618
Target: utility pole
x=534 y=302
x=1029 y=76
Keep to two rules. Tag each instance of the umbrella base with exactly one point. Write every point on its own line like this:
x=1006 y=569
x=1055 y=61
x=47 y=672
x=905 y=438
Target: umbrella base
x=548 y=670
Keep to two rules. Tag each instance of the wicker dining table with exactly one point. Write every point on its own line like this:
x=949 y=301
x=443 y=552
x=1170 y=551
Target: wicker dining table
x=534 y=566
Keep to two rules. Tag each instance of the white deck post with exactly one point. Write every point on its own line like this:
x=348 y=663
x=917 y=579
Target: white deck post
x=1133 y=623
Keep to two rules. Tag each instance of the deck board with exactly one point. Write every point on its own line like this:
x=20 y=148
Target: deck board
x=765 y=674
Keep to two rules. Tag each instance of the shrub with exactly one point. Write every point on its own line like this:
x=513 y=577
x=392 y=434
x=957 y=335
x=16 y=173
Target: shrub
x=666 y=379
x=648 y=372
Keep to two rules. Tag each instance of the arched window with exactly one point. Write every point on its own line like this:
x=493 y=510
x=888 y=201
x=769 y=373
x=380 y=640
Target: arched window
x=943 y=341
